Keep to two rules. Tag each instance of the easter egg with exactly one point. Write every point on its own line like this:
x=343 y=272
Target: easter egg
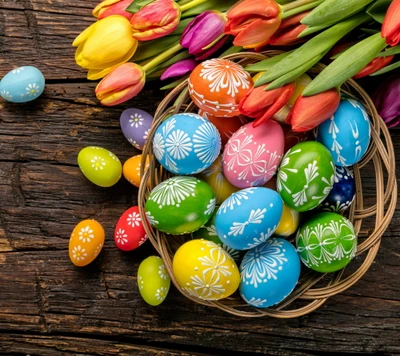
x=135 y=125
x=269 y=273
x=205 y=270
x=86 y=242
x=289 y=222
x=153 y=280
x=216 y=86
x=305 y=176
x=131 y=169
x=343 y=192
x=252 y=155
x=248 y=217
x=214 y=176
x=180 y=205
x=129 y=232
x=22 y=84
x=100 y=166
x=326 y=242
x=186 y=144
x=347 y=133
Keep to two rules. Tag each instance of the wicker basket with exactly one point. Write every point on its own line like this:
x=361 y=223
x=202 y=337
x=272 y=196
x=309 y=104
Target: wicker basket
x=313 y=288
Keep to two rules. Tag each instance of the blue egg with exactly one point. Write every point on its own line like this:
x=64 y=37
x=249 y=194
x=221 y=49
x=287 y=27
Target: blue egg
x=22 y=84
x=248 y=217
x=269 y=273
x=347 y=133
x=186 y=144
x=343 y=192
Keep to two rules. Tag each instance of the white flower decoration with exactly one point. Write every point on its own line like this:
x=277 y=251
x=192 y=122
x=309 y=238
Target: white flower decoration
x=98 y=163
x=32 y=89
x=121 y=237
x=86 y=234
x=136 y=120
x=79 y=253
x=134 y=219
x=161 y=293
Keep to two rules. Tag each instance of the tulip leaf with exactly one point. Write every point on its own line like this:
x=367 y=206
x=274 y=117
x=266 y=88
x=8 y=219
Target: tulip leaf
x=179 y=57
x=150 y=49
x=216 y=5
x=346 y=65
x=283 y=2
x=231 y=50
x=378 y=10
x=390 y=52
x=136 y=5
x=264 y=65
x=331 y=11
x=174 y=83
x=181 y=27
x=311 y=29
x=369 y=31
x=300 y=9
x=386 y=69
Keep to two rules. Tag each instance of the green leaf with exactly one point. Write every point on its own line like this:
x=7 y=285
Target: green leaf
x=370 y=31
x=386 y=69
x=231 y=50
x=331 y=11
x=283 y=2
x=174 y=84
x=150 y=49
x=181 y=27
x=390 y=52
x=302 y=8
x=136 y=5
x=378 y=10
x=216 y=5
x=266 y=64
x=346 y=65
x=312 y=29
x=179 y=57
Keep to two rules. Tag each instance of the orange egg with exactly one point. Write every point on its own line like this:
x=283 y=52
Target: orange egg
x=131 y=169
x=216 y=86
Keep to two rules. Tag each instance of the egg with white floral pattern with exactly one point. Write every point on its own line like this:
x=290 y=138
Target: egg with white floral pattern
x=86 y=242
x=205 y=270
x=269 y=273
x=129 y=232
x=153 y=280
x=22 y=84
x=186 y=144
x=248 y=217
x=100 y=166
x=135 y=125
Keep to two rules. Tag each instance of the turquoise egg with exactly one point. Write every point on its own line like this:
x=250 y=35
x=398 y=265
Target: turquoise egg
x=22 y=84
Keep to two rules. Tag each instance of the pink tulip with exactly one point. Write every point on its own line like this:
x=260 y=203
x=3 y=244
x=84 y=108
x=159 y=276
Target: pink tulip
x=179 y=69
x=112 y=7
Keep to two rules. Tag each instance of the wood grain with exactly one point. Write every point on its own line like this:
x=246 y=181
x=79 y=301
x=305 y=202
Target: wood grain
x=49 y=307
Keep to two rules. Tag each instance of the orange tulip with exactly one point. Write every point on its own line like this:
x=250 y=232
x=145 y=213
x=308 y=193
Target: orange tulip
x=310 y=111
x=373 y=66
x=122 y=84
x=289 y=30
x=391 y=24
x=112 y=7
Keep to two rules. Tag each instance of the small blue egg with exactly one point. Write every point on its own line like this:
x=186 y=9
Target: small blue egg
x=269 y=273
x=343 y=192
x=248 y=217
x=22 y=84
x=347 y=133
x=186 y=144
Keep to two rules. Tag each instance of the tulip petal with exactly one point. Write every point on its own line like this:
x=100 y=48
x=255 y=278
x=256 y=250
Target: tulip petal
x=180 y=68
x=373 y=66
x=391 y=24
x=259 y=8
x=287 y=36
x=122 y=96
x=101 y=6
x=210 y=51
x=83 y=36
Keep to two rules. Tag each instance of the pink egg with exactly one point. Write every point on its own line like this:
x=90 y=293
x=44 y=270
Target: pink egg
x=252 y=155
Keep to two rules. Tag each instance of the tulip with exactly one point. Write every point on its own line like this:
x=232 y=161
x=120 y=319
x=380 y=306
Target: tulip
x=122 y=84
x=391 y=24
x=253 y=22
x=289 y=30
x=179 y=69
x=202 y=32
x=262 y=105
x=105 y=45
x=386 y=100
x=156 y=20
x=373 y=66
x=310 y=111
x=112 y=7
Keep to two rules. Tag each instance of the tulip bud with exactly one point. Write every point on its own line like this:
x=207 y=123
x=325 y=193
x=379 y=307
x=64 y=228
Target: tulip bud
x=373 y=66
x=179 y=69
x=122 y=84
x=391 y=24
x=112 y=7
x=386 y=100
x=289 y=30
x=310 y=111
x=156 y=20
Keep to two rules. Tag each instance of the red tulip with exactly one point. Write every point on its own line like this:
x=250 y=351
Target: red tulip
x=289 y=30
x=310 y=111
x=373 y=66
x=112 y=7
x=391 y=24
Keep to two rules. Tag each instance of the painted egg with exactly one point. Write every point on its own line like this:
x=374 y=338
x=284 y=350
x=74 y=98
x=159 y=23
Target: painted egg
x=347 y=133
x=205 y=270
x=100 y=166
x=135 y=125
x=86 y=242
x=208 y=232
x=214 y=176
x=293 y=138
x=131 y=169
x=289 y=222
x=186 y=144
x=252 y=155
x=22 y=84
x=180 y=205
x=305 y=176
x=269 y=273
x=248 y=218
x=216 y=86
x=327 y=242
x=153 y=280
x=129 y=232
x=343 y=192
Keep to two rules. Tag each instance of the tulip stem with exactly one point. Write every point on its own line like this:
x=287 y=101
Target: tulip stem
x=296 y=4
x=191 y=4
x=162 y=57
x=302 y=8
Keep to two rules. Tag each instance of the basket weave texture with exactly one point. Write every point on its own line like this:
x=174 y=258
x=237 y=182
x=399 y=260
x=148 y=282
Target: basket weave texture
x=313 y=288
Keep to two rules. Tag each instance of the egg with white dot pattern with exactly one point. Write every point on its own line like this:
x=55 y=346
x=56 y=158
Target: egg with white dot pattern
x=135 y=125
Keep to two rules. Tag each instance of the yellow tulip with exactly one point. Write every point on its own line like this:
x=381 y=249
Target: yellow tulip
x=105 y=45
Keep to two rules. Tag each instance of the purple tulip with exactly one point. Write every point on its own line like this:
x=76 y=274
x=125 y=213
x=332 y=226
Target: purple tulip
x=205 y=29
x=179 y=69
x=386 y=100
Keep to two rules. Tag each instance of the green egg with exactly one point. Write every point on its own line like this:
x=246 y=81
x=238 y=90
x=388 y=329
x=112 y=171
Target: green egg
x=100 y=166
x=153 y=280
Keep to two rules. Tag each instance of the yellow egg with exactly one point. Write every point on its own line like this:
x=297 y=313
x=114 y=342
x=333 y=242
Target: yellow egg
x=289 y=222
x=205 y=270
x=86 y=242
x=131 y=169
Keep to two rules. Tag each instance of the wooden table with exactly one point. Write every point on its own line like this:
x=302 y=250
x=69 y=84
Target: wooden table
x=48 y=307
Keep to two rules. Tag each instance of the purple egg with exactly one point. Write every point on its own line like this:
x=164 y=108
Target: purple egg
x=135 y=125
